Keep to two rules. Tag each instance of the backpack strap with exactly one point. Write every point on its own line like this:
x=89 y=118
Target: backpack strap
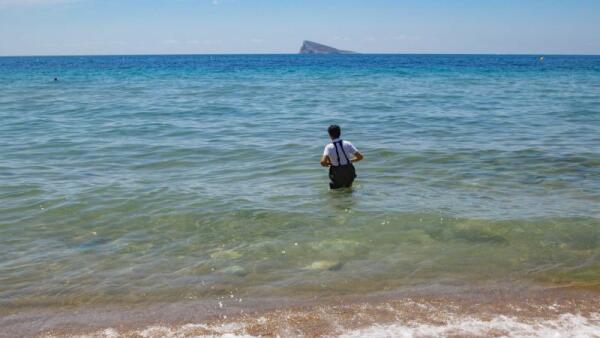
x=343 y=152
x=337 y=154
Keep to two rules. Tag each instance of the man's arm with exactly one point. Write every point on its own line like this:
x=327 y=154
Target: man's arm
x=357 y=155
x=325 y=161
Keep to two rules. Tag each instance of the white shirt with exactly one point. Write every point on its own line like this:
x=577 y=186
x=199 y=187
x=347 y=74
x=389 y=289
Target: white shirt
x=333 y=157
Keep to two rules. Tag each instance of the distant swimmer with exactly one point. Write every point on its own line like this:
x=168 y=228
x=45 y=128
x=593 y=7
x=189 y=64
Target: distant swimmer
x=339 y=156
x=55 y=79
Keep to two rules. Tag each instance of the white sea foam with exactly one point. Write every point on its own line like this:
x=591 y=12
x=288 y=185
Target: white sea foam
x=565 y=325
x=227 y=330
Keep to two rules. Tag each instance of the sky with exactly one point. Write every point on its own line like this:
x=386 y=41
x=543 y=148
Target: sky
x=93 y=27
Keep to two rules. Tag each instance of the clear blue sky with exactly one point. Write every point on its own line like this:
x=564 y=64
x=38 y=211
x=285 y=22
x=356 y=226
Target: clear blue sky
x=42 y=27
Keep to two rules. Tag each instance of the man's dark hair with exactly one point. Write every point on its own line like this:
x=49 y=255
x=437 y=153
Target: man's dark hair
x=334 y=131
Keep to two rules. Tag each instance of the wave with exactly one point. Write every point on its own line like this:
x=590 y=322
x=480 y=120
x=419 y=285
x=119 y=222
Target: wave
x=533 y=314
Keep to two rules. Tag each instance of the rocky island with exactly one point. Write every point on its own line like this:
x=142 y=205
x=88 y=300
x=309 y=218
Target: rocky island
x=309 y=47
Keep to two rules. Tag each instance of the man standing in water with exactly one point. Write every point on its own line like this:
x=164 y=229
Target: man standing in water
x=339 y=156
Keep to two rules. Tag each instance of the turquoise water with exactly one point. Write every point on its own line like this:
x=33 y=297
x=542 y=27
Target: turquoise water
x=152 y=178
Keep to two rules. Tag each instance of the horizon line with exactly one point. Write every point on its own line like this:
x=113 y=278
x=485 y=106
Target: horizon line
x=287 y=53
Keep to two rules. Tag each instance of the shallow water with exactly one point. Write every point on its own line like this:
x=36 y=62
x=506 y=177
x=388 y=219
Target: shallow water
x=166 y=178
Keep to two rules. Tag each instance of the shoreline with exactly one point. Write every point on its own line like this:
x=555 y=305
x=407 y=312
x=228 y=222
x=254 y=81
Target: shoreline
x=484 y=309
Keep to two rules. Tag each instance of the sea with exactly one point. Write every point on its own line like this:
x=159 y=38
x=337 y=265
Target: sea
x=182 y=196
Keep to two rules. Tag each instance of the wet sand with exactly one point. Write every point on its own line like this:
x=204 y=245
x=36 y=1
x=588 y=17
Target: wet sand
x=499 y=310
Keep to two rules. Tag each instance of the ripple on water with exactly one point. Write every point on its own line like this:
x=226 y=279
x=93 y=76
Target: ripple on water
x=147 y=178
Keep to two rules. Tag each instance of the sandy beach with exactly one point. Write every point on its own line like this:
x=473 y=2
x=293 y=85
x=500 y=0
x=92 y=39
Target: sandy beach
x=501 y=310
